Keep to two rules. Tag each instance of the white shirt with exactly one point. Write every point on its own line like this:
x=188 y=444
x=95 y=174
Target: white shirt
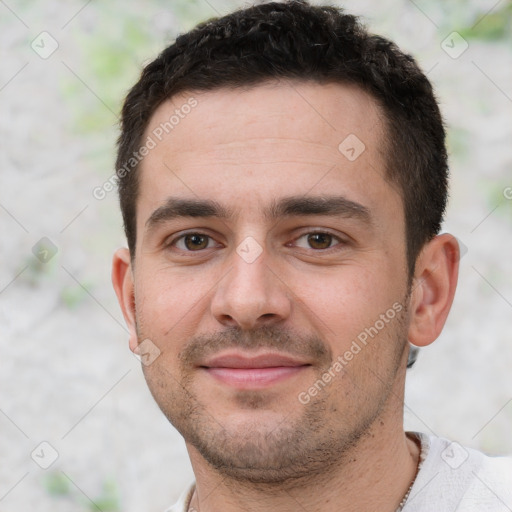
x=451 y=478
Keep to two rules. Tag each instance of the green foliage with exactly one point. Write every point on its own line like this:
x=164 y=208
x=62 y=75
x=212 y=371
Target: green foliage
x=108 y=501
x=73 y=296
x=57 y=484
x=457 y=141
x=108 y=68
x=496 y=196
x=59 y=487
x=494 y=26
x=37 y=271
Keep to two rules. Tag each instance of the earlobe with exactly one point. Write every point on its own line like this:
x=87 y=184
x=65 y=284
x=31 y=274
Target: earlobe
x=122 y=280
x=433 y=289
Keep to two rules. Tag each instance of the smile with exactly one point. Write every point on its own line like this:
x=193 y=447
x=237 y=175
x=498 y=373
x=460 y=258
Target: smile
x=243 y=372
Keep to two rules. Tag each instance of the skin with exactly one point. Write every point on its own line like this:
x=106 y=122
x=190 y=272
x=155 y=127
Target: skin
x=262 y=449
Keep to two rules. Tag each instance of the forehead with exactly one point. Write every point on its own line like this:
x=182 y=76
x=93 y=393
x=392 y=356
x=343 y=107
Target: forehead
x=308 y=110
x=274 y=139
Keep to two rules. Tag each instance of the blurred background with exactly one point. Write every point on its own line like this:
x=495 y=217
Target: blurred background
x=79 y=430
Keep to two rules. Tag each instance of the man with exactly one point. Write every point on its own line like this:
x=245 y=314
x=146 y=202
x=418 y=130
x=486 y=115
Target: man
x=283 y=180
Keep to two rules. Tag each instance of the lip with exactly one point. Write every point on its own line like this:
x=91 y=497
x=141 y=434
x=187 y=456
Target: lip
x=253 y=372
x=241 y=360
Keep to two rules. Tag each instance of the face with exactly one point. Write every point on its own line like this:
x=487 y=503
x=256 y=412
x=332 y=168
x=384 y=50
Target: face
x=270 y=272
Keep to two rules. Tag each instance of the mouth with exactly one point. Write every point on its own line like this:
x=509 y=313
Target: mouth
x=244 y=371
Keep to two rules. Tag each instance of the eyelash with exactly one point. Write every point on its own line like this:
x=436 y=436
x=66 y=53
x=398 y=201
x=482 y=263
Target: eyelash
x=334 y=239
x=318 y=232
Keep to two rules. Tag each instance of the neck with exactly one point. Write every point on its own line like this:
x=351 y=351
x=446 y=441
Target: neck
x=373 y=476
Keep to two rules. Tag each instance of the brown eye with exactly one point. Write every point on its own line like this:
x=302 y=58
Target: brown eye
x=195 y=241
x=320 y=240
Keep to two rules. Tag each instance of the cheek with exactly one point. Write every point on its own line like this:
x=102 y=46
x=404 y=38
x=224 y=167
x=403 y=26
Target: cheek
x=163 y=299
x=345 y=301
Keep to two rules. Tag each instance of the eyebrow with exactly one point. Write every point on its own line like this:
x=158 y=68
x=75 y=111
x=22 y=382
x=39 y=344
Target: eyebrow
x=177 y=207
x=319 y=205
x=286 y=207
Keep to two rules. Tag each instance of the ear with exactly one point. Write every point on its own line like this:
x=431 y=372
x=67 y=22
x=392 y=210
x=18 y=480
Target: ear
x=122 y=279
x=433 y=288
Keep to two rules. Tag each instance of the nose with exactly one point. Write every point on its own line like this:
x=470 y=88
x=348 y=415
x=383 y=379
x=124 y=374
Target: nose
x=251 y=295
